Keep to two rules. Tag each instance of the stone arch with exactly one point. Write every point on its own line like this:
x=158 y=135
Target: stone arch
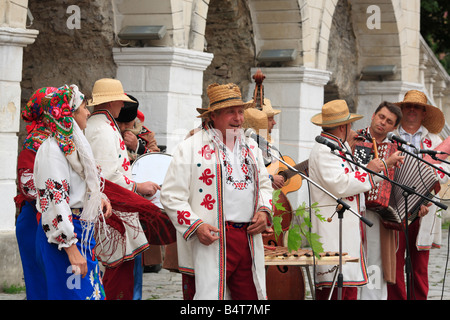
x=278 y=25
x=230 y=38
x=185 y=21
x=389 y=36
x=378 y=45
x=350 y=35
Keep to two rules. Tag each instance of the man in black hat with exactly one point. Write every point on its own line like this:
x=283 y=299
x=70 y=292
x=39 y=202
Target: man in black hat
x=137 y=137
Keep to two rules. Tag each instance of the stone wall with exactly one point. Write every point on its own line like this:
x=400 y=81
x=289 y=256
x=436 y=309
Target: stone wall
x=62 y=55
x=342 y=58
x=229 y=36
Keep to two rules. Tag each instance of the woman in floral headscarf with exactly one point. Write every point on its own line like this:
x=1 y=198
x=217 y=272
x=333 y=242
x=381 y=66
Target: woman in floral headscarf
x=69 y=199
x=27 y=221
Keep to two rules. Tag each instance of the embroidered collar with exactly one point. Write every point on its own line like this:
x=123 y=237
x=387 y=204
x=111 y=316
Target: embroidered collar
x=108 y=116
x=333 y=138
x=231 y=165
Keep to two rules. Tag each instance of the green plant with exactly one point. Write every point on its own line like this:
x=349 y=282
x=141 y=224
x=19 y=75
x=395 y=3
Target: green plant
x=298 y=232
x=13 y=289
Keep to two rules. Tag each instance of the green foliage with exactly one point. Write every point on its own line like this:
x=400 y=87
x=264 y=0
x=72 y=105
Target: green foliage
x=298 y=232
x=435 y=28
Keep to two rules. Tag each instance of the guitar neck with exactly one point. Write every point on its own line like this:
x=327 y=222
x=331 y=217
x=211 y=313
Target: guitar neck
x=301 y=167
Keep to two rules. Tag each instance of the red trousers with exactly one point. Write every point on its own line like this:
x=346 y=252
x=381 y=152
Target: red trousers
x=239 y=268
x=239 y=265
x=419 y=261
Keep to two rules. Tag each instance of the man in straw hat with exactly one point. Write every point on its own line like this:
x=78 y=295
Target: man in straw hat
x=345 y=181
x=257 y=120
x=110 y=152
x=421 y=124
x=217 y=194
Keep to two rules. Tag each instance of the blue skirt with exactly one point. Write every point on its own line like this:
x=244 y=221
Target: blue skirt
x=26 y=226
x=61 y=283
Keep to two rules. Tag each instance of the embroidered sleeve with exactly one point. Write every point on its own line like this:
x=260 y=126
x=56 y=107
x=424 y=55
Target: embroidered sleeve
x=53 y=187
x=431 y=143
x=175 y=194
x=26 y=184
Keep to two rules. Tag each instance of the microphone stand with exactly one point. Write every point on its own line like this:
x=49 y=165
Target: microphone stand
x=340 y=208
x=407 y=191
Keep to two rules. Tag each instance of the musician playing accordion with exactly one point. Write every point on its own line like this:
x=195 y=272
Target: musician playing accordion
x=344 y=180
x=420 y=125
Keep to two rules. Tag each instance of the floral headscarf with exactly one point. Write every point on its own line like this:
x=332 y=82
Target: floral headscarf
x=32 y=113
x=57 y=109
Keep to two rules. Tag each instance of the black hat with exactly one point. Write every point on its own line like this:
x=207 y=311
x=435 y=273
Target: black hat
x=129 y=111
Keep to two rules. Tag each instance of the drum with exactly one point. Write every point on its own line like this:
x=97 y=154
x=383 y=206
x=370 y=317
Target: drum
x=151 y=167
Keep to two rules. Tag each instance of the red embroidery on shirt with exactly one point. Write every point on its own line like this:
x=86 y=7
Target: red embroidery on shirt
x=360 y=176
x=206 y=152
x=112 y=125
x=182 y=217
x=207 y=177
x=208 y=202
x=126 y=164
x=56 y=221
x=440 y=173
x=427 y=142
x=122 y=144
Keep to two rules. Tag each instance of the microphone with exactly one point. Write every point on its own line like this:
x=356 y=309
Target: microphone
x=393 y=137
x=430 y=152
x=262 y=143
x=330 y=144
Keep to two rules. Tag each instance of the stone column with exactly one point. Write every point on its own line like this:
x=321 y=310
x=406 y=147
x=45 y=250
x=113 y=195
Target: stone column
x=12 y=42
x=299 y=93
x=168 y=83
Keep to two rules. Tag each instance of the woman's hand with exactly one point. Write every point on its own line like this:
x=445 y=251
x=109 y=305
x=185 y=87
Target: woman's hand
x=106 y=208
x=77 y=261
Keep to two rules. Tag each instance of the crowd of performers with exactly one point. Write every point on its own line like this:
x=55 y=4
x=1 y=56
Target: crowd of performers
x=86 y=227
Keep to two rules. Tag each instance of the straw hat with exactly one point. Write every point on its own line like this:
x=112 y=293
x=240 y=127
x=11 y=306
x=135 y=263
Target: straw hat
x=434 y=120
x=108 y=90
x=255 y=119
x=335 y=113
x=222 y=96
x=267 y=108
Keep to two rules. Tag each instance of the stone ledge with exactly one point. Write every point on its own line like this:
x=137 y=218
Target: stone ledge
x=10 y=264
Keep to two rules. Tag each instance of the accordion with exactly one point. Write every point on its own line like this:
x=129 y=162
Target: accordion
x=377 y=199
x=416 y=175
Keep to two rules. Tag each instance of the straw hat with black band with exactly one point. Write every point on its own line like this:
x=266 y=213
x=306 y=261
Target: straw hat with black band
x=222 y=96
x=108 y=90
x=335 y=113
x=434 y=120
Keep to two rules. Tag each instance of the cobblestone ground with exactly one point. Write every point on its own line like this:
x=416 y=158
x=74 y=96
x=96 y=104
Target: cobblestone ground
x=166 y=285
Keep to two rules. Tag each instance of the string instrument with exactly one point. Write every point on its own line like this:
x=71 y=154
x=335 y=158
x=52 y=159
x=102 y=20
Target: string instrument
x=293 y=180
x=287 y=282
x=258 y=94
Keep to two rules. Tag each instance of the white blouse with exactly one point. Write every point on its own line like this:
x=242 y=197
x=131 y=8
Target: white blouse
x=60 y=189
